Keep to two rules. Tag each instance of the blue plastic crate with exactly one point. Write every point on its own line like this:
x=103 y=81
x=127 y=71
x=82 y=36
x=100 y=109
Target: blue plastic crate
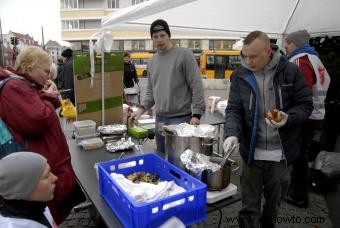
x=155 y=213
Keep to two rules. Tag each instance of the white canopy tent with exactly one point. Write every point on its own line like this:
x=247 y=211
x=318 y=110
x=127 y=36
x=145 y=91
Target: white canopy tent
x=231 y=18
x=222 y=19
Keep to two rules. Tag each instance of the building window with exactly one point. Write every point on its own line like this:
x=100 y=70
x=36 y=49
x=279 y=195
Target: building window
x=112 y=4
x=138 y=45
x=194 y=44
x=135 y=2
x=69 y=4
x=89 y=24
x=176 y=42
x=118 y=45
x=69 y=24
x=221 y=44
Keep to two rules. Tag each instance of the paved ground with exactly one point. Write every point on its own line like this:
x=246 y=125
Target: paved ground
x=318 y=207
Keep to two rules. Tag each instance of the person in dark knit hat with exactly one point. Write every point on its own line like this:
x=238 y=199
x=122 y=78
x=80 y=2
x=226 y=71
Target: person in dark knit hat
x=27 y=184
x=174 y=85
x=65 y=77
x=159 y=25
x=67 y=53
x=302 y=54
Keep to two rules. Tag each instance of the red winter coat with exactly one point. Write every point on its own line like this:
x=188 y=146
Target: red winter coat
x=30 y=114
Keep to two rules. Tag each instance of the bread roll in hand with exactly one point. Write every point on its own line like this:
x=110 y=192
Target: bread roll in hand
x=274 y=115
x=276 y=118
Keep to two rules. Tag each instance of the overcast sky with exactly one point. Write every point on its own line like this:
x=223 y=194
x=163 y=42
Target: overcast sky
x=28 y=16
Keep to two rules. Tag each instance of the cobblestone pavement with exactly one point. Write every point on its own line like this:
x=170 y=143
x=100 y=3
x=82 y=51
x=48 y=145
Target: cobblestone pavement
x=317 y=209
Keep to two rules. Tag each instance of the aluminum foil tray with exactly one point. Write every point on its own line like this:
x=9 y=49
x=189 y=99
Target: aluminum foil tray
x=114 y=129
x=123 y=144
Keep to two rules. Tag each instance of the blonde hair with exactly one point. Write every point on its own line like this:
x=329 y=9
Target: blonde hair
x=31 y=56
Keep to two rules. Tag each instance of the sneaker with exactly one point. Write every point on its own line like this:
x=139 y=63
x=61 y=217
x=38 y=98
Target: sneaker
x=298 y=203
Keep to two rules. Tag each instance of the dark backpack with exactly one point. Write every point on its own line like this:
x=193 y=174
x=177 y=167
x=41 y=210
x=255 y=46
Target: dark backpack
x=8 y=144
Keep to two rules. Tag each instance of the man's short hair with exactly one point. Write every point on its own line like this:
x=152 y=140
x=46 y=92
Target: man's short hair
x=254 y=35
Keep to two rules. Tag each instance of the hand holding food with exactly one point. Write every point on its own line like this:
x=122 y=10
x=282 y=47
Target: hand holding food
x=275 y=115
x=50 y=87
x=276 y=118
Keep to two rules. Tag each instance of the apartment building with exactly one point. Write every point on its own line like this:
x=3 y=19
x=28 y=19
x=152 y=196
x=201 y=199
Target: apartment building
x=81 y=19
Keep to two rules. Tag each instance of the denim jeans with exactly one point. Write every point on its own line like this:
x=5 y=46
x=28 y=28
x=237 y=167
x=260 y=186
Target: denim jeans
x=164 y=120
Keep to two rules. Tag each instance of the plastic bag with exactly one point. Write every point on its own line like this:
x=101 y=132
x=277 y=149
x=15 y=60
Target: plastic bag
x=325 y=172
x=68 y=110
x=328 y=163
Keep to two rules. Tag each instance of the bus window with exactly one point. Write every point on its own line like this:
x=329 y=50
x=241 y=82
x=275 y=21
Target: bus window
x=135 y=61
x=219 y=63
x=210 y=62
x=234 y=62
x=220 y=66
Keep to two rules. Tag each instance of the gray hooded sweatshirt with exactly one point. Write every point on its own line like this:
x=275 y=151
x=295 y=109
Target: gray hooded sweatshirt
x=268 y=145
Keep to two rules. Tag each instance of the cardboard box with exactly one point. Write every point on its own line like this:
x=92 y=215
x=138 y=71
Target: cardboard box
x=89 y=100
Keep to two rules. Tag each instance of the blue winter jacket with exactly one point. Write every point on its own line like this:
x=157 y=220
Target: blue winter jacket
x=292 y=96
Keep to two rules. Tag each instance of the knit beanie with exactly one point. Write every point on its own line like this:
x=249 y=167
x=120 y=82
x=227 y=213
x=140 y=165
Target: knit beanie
x=159 y=25
x=67 y=53
x=20 y=173
x=299 y=38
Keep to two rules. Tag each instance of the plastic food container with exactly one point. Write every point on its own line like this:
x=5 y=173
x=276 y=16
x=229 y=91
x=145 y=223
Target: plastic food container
x=80 y=138
x=91 y=144
x=152 y=214
x=85 y=127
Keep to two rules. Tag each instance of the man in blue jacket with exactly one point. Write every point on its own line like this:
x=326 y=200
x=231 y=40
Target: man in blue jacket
x=265 y=81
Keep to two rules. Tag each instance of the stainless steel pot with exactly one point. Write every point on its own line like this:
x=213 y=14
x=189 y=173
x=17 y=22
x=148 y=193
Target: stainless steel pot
x=220 y=179
x=176 y=145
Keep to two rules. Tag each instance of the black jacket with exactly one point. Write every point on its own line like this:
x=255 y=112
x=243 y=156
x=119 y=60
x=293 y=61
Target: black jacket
x=292 y=96
x=130 y=75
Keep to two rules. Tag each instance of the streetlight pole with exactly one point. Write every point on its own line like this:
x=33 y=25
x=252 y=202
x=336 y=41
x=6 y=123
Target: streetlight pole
x=42 y=36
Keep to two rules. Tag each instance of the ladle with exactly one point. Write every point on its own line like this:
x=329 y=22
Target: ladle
x=227 y=156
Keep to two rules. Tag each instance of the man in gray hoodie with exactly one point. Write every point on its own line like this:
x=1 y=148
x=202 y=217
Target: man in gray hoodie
x=174 y=84
x=265 y=81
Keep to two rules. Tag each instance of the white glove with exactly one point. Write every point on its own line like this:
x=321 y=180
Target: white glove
x=135 y=116
x=229 y=143
x=275 y=124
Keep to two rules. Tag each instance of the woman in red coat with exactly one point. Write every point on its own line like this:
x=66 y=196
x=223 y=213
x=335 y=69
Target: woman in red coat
x=29 y=113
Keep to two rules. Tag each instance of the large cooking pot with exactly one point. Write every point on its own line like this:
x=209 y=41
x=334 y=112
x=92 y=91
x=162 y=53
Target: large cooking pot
x=175 y=145
x=219 y=179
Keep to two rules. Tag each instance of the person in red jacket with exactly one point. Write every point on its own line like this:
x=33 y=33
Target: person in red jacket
x=29 y=112
x=302 y=54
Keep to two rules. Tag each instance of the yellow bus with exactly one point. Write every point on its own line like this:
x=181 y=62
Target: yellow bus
x=219 y=63
x=140 y=60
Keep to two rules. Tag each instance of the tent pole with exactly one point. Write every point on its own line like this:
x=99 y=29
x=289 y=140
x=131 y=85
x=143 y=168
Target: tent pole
x=288 y=21
x=103 y=87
